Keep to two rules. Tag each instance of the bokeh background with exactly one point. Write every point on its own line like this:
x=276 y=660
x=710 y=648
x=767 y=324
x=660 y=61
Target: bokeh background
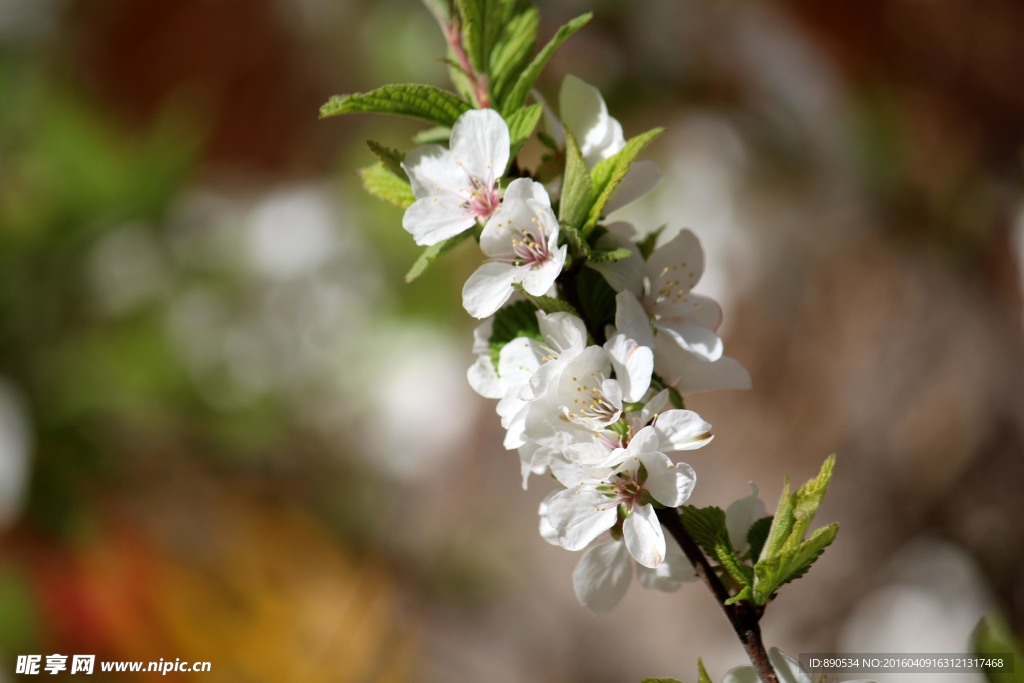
x=230 y=432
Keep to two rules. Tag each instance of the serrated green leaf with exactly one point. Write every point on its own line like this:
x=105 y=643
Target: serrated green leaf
x=529 y=76
x=808 y=499
x=512 y=53
x=521 y=125
x=608 y=173
x=597 y=299
x=577 y=187
x=548 y=304
x=757 y=535
x=512 y=321
x=431 y=254
x=791 y=564
x=727 y=557
x=782 y=523
x=383 y=184
x=702 y=673
x=609 y=255
x=405 y=99
x=390 y=157
x=646 y=245
x=706 y=526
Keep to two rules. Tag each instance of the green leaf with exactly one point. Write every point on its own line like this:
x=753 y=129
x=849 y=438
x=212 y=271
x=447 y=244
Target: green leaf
x=808 y=499
x=608 y=173
x=728 y=558
x=577 y=188
x=526 y=79
x=782 y=523
x=390 y=157
x=791 y=564
x=609 y=255
x=383 y=184
x=702 y=673
x=646 y=245
x=706 y=526
x=481 y=26
x=512 y=53
x=521 y=125
x=512 y=321
x=415 y=101
x=757 y=535
x=746 y=593
x=597 y=299
x=438 y=135
x=431 y=254
x=548 y=304
x=993 y=639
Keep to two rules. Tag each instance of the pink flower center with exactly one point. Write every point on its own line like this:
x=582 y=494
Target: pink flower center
x=484 y=199
x=530 y=250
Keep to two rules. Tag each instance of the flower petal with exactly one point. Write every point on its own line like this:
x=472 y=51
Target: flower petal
x=643 y=536
x=580 y=516
x=436 y=218
x=537 y=281
x=641 y=178
x=669 y=484
x=740 y=515
x=480 y=144
x=585 y=115
x=602 y=576
x=673 y=572
x=676 y=265
x=632 y=320
x=487 y=289
x=689 y=373
x=681 y=430
x=633 y=365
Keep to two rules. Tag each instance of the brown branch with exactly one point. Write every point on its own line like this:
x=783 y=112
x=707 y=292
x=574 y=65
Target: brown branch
x=481 y=91
x=743 y=617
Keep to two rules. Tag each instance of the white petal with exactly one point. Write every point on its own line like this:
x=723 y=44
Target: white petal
x=537 y=281
x=787 y=668
x=698 y=340
x=673 y=572
x=519 y=359
x=487 y=289
x=432 y=171
x=643 y=536
x=596 y=453
x=482 y=337
x=547 y=532
x=679 y=261
x=602 y=577
x=436 y=218
x=740 y=515
x=585 y=115
x=669 y=484
x=564 y=332
x=641 y=178
x=580 y=516
x=633 y=365
x=632 y=320
x=681 y=430
x=484 y=380
x=644 y=441
x=480 y=143
x=690 y=308
x=742 y=674
x=688 y=373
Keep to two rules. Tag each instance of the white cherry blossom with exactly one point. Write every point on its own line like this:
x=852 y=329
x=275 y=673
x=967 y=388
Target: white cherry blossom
x=457 y=188
x=521 y=243
x=582 y=513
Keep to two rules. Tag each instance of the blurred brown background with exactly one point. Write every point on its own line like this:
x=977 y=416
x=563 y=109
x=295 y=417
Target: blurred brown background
x=229 y=432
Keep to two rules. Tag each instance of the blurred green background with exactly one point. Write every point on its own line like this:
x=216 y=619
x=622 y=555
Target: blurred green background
x=230 y=432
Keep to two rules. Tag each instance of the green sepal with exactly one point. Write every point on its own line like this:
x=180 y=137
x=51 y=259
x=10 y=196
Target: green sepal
x=608 y=173
x=521 y=125
x=609 y=255
x=390 y=157
x=706 y=526
x=529 y=76
x=746 y=593
x=702 y=673
x=431 y=254
x=404 y=99
x=757 y=535
x=548 y=304
x=577 y=187
x=383 y=184
x=510 y=322
x=646 y=245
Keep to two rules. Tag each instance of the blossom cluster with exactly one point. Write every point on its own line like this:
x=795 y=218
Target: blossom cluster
x=597 y=406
